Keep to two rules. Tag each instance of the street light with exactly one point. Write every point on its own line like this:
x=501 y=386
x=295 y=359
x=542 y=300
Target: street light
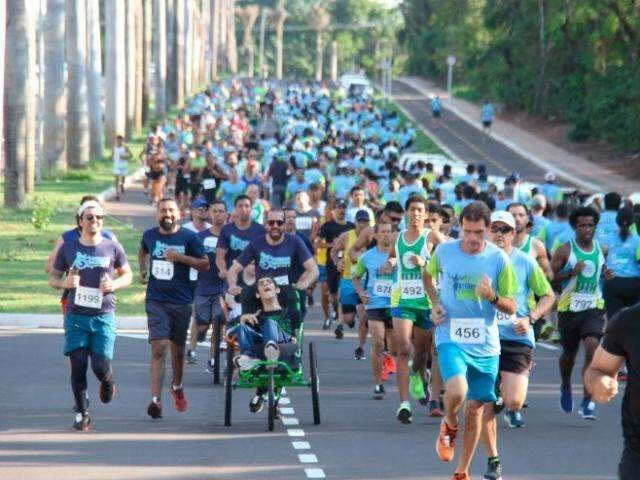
x=451 y=61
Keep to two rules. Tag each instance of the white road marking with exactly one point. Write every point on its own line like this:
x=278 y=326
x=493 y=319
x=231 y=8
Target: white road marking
x=287 y=410
x=314 y=473
x=307 y=458
x=547 y=346
x=295 y=432
x=301 y=445
x=290 y=421
x=284 y=401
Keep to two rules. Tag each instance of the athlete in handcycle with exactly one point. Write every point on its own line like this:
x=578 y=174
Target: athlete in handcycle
x=269 y=342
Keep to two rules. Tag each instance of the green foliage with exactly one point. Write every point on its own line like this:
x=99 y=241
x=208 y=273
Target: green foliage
x=572 y=59
x=42 y=213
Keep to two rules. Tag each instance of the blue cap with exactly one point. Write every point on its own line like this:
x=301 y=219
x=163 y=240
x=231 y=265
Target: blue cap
x=199 y=203
x=362 y=215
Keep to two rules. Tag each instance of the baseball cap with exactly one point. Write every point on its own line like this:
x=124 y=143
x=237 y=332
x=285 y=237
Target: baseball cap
x=539 y=200
x=199 y=203
x=550 y=177
x=341 y=202
x=362 y=216
x=504 y=217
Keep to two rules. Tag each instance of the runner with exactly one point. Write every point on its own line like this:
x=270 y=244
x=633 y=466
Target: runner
x=486 y=115
x=476 y=279
x=410 y=306
x=210 y=287
x=291 y=222
x=577 y=266
x=350 y=303
x=171 y=250
x=436 y=107
x=619 y=346
x=377 y=300
x=516 y=337
x=120 y=156
x=327 y=235
x=96 y=267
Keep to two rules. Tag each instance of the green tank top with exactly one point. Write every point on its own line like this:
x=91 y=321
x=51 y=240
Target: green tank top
x=408 y=291
x=583 y=291
x=257 y=212
x=526 y=246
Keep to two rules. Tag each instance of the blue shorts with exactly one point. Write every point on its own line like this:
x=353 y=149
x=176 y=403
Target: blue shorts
x=322 y=276
x=481 y=372
x=348 y=294
x=95 y=332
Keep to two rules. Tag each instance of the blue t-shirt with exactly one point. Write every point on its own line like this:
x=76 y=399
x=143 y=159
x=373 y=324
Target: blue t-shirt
x=275 y=261
x=297 y=269
x=209 y=282
x=622 y=256
x=234 y=240
x=459 y=274
x=230 y=191
x=91 y=262
x=487 y=112
x=168 y=281
x=607 y=224
x=378 y=285
x=552 y=230
x=539 y=222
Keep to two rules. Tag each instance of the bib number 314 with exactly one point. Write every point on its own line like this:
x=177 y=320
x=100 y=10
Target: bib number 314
x=468 y=330
x=162 y=270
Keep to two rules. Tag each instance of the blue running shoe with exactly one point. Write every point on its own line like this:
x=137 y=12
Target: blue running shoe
x=587 y=410
x=513 y=419
x=566 y=400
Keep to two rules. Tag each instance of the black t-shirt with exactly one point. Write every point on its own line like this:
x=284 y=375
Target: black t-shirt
x=622 y=338
x=278 y=171
x=331 y=230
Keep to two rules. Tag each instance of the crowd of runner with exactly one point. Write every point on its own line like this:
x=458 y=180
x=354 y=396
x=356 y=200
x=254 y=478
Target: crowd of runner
x=296 y=193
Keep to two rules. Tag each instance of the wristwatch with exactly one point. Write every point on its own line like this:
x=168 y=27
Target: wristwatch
x=495 y=300
x=531 y=319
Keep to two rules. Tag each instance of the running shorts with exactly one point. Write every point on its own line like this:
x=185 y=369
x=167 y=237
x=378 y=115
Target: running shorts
x=348 y=295
x=95 y=332
x=322 y=276
x=168 y=321
x=481 y=372
x=207 y=307
x=515 y=357
x=420 y=318
x=576 y=326
x=380 y=315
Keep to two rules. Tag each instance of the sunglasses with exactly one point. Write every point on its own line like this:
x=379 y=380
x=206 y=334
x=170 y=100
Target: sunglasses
x=204 y=209
x=395 y=219
x=502 y=230
x=279 y=223
x=92 y=217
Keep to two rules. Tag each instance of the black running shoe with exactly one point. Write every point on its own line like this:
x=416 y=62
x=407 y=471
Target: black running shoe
x=256 y=404
x=154 y=410
x=82 y=422
x=107 y=391
x=352 y=323
x=378 y=392
x=191 y=357
x=339 y=331
x=494 y=470
x=359 y=354
x=327 y=323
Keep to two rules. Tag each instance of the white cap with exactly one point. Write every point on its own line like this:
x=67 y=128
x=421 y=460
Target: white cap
x=90 y=204
x=539 y=199
x=504 y=217
x=550 y=177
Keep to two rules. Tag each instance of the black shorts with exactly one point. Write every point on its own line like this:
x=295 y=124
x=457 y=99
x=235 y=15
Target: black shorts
x=629 y=464
x=333 y=278
x=380 y=315
x=486 y=123
x=576 y=326
x=515 y=357
x=182 y=185
x=207 y=308
x=156 y=175
x=168 y=321
x=436 y=114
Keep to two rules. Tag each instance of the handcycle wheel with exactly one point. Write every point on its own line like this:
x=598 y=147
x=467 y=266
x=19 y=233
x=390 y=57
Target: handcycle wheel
x=217 y=325
x=315 y=384
x=271 y=401
x=228 y=387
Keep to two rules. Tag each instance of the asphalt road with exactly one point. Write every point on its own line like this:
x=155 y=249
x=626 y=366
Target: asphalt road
x=359 y=438
x=464 y=140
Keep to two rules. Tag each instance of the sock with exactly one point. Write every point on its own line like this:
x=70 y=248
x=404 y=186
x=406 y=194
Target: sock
x=155 y=399
x=494 y=459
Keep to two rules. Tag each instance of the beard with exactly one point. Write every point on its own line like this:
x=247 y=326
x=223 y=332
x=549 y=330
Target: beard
x=167 y=223
x=276 y=235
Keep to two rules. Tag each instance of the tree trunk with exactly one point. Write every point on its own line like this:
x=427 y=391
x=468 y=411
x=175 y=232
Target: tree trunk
x=77 y=97
x=171 y=60
x=3 y=12
x=334 y=61
x=319 y=56
x=222 y=35
x=282 y=16
x=206 y=41
x=94 y=79
x=54 y=91
x=130 y=56
x=115 y=70
x=18 y=96
x=215 y=37
x=232 y=50
x=147 y=22
x=139 y=67
x=32 y=105
x=179 y=47
x=160 y=56
x=188 y=48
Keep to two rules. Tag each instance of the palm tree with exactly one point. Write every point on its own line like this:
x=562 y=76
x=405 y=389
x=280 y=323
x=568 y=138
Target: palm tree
x=179 y=51
x=115 y=69
x=18 y=100
x=281 y=16
x=130 y=55
x=319 y=20
x=248 y=15
x=3 y=12
x=160 y=56
x=215 y=37
x=54 y=91
x=77 y=98
x=232 y=51
x=170 y=47
x=94 y=78
x=147 y=39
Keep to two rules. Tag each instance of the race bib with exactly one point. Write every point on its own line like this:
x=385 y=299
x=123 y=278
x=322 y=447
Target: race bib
x=147 y=169
x=504 y=319
x=411 y=289
x=209 y=183
x=162 y=270
x=193 y=274
x=304 y=223
x=382 y=288
x=281 y=280
x=468 y=330
x=582 y=301
x=88 y=297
